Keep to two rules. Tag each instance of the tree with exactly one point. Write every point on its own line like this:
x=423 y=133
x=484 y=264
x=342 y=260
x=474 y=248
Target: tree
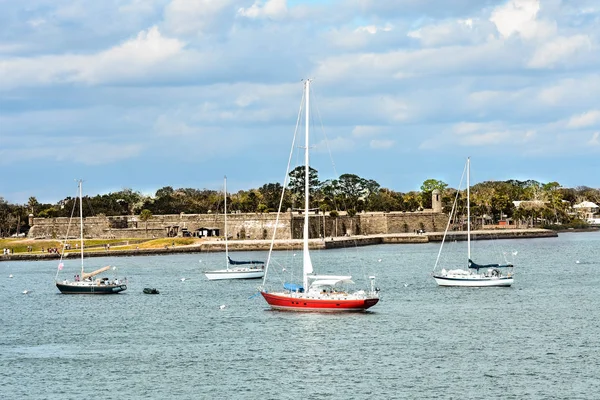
x=297 y=179
x=428 y=187
x=350 y=191
x=384 y=200
x=271 y=193
x=32 y=203
x=146 y=215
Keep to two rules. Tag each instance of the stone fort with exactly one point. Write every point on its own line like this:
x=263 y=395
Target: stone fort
x=244 y=225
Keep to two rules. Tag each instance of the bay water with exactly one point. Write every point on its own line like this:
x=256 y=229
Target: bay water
x=197 y=339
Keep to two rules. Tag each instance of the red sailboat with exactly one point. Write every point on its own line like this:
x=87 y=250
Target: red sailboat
x=317 y=292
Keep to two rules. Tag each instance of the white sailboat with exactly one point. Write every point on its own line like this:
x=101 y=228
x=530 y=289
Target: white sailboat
x=85 y=282
x=317 y=292
x=235 y=269
x=475 y=275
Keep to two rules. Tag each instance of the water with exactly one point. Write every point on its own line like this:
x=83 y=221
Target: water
x=536 y=340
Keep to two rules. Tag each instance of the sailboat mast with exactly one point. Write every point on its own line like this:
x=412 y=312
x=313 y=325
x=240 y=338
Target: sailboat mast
x=81 y=225
x=469 y=207
x=226 y=247
x=307 y=265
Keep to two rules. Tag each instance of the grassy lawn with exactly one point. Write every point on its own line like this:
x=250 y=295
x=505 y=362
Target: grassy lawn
x=19 y=245
x=161 y=243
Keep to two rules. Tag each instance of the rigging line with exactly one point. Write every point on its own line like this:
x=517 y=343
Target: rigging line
x=326 y=139
x=62 y=253
x=450 y=218
x=336 y=174
x=285 y=178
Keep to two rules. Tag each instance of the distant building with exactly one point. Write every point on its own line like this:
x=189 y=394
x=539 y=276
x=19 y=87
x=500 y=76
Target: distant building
x=529 y=203
x=586 y=210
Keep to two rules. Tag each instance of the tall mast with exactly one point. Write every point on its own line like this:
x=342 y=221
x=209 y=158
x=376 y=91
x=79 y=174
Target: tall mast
x=226 y=247
x=469 y=207
x=81 y=225
x=307 y=264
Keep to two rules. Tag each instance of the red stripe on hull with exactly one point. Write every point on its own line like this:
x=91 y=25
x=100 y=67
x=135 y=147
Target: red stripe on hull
x=283 y=302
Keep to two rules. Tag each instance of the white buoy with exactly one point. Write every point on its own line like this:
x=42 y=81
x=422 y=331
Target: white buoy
x=379 y=260
x=10 y=276
x=577 y=262
x=183 y=279
x=222 y=306
x=406 y=285
x=25 y=291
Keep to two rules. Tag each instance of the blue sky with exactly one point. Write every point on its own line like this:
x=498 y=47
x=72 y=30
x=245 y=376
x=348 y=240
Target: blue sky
x=149 y=93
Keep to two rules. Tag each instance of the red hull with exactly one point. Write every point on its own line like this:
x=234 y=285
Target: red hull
x=285 y=302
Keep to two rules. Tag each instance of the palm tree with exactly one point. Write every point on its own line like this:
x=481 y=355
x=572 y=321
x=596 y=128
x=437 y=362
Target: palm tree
x=145 y=215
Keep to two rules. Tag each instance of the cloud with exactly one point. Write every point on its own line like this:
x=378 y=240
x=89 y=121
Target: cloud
x=373 y=29
x=128 y=61
x=517 y=17
x=595 y=140
x=449 y=32
x=584 y=120
x=559 y=49
x=198 y=17
x=366 y=131
x=337 y=145
x=164 y=126
x=381 y=144
x=481 y=135
x=274 y=9
x=89 y=153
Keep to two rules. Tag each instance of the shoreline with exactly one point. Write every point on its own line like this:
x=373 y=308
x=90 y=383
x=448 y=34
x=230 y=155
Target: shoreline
x=289 y=244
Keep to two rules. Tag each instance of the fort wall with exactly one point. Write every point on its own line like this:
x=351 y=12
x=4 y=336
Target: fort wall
x=240 y=226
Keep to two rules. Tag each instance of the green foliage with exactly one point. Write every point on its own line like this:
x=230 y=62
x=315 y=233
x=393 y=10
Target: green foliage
x=491 y=201
x=574 y=224
x=351 y=212
x=145 y=216
x=430 y=185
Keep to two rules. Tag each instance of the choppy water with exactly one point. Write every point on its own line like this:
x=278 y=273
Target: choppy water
x=539 y=339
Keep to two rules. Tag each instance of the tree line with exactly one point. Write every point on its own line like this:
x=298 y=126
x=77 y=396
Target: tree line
x=491 y=201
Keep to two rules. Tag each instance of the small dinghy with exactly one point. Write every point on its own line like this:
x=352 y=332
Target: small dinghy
x=151 y=291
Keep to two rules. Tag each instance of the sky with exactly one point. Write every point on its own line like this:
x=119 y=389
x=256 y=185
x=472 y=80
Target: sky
x=144 y=94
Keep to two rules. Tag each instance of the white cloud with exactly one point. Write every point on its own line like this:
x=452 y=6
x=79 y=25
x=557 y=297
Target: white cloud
x=137 y=7
x=274 y=9
x=485 y=139
x=165 y=126
x=361 y=37
x=184 y=17
x=337 y=145
x=482 y=135
x=381 y=144
x=584 y=120
x=245 y=100
x=366 y=131
x=517 y=17
x=36 y=22
x=373 y=29
x=559 y=49
x=86 y=153
x=464 y=128
x=595 y=140
x=450 y=32
x=129 y=60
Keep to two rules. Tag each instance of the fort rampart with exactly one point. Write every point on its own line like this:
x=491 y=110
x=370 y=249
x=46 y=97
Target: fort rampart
x=239 y=226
